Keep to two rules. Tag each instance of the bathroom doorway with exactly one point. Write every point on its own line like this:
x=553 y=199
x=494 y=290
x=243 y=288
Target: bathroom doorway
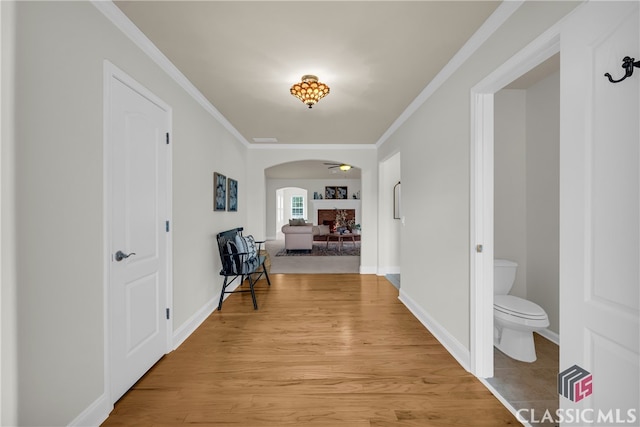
x=482 y=195
x=526 y=224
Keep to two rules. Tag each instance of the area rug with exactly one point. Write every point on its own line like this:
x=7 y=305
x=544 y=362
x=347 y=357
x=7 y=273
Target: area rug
x=321 y=249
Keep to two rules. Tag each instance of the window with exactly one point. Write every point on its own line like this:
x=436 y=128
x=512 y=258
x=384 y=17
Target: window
x=297 y=207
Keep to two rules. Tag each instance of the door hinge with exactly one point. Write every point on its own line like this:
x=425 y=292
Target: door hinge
x=167 y=137
x=168 y=314
x=166 y=226
x=479 y=248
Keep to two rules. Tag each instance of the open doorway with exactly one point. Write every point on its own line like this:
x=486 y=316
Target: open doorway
x=291 y=203
x=483 y=248
x=390 y=219
x=299 y=196
x=526 y=232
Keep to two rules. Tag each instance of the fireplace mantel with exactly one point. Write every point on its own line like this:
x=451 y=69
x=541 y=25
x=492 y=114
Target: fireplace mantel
x=335 y=204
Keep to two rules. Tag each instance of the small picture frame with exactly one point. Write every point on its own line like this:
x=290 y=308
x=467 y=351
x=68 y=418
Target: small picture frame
x=342 y=193
x=232 y=192
x=329 y=192
x=219 y=192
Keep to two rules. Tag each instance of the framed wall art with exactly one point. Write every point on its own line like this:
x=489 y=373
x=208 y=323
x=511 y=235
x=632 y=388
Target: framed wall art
x=329 y=192
x=341 y=193
x=219 y=192
x=336 y=192
x=232 y=192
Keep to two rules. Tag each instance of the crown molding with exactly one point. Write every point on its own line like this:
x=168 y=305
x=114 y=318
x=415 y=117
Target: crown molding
x=495 y=21
x=124 y=24
x=332 y=147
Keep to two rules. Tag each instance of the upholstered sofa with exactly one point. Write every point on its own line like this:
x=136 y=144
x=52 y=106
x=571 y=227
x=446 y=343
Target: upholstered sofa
x=301 y=237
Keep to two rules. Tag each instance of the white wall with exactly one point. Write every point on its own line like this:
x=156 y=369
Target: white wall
x=543 y=197
x=8 y=281
x=510 y=195
x=434 y=144
x=311 y=186
x=58 y=62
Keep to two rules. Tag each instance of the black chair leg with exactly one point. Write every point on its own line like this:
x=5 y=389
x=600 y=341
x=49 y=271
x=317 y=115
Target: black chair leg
x=266 y=274
x=224 y=288
x=253 y=293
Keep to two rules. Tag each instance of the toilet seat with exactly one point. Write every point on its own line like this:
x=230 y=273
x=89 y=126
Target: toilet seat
x=518 y=307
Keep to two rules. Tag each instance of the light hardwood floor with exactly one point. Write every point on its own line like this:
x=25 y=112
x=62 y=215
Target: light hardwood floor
x=322 y=350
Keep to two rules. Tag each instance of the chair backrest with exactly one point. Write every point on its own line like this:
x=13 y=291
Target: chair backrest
x=223 y=238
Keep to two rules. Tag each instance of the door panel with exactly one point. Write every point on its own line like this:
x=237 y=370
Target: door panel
x=600 y=205
x=138 y=199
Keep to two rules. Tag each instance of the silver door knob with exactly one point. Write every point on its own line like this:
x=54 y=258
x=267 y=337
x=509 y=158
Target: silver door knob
x=121 y=255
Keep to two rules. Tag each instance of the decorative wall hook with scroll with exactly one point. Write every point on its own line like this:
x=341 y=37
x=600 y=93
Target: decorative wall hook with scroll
x=628 y=64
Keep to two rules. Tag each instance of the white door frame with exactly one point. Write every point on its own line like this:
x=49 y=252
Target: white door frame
x=112 y=72
x=481 y=185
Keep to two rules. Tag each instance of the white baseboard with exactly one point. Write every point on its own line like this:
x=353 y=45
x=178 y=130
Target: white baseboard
x=383 y=271
x=188 y=327
x=368 y=269
x=453 y=346
x=550 y=335
x=94 y=414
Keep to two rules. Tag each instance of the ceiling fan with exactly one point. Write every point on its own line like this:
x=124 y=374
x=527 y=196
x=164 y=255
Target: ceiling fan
x=342 y=166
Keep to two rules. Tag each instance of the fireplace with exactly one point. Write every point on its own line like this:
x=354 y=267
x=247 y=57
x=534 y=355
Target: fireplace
x=325 y=210
x=328 y=216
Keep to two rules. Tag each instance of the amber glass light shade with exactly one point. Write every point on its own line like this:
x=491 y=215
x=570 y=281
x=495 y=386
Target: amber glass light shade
x=309 y=90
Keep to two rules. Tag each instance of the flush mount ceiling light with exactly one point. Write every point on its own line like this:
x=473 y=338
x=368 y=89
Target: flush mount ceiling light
x=309 y=90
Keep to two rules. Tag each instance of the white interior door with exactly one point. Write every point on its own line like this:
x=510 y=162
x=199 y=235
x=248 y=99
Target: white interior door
x=138 y=126
x=600 y=209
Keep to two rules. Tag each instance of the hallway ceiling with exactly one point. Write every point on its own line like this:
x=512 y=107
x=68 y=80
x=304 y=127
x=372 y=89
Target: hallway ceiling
x=243 y=56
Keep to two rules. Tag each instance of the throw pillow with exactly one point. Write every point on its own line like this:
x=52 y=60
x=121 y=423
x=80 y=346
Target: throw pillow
x=297 y=221
x=251 y=245
x=246 y=245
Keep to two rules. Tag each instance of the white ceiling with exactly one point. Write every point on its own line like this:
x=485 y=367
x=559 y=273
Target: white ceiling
x=376 y=56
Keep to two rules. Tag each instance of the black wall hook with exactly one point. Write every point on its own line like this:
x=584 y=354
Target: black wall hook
x=628 y=64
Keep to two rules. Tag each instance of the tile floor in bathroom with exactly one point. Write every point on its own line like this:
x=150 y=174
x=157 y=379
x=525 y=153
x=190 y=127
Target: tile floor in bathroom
x=529 y=385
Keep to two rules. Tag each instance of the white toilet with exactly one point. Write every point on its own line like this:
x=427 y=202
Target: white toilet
x=514 y=319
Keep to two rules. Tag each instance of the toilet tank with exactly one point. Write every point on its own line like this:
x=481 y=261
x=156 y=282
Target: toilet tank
x=504 y=274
